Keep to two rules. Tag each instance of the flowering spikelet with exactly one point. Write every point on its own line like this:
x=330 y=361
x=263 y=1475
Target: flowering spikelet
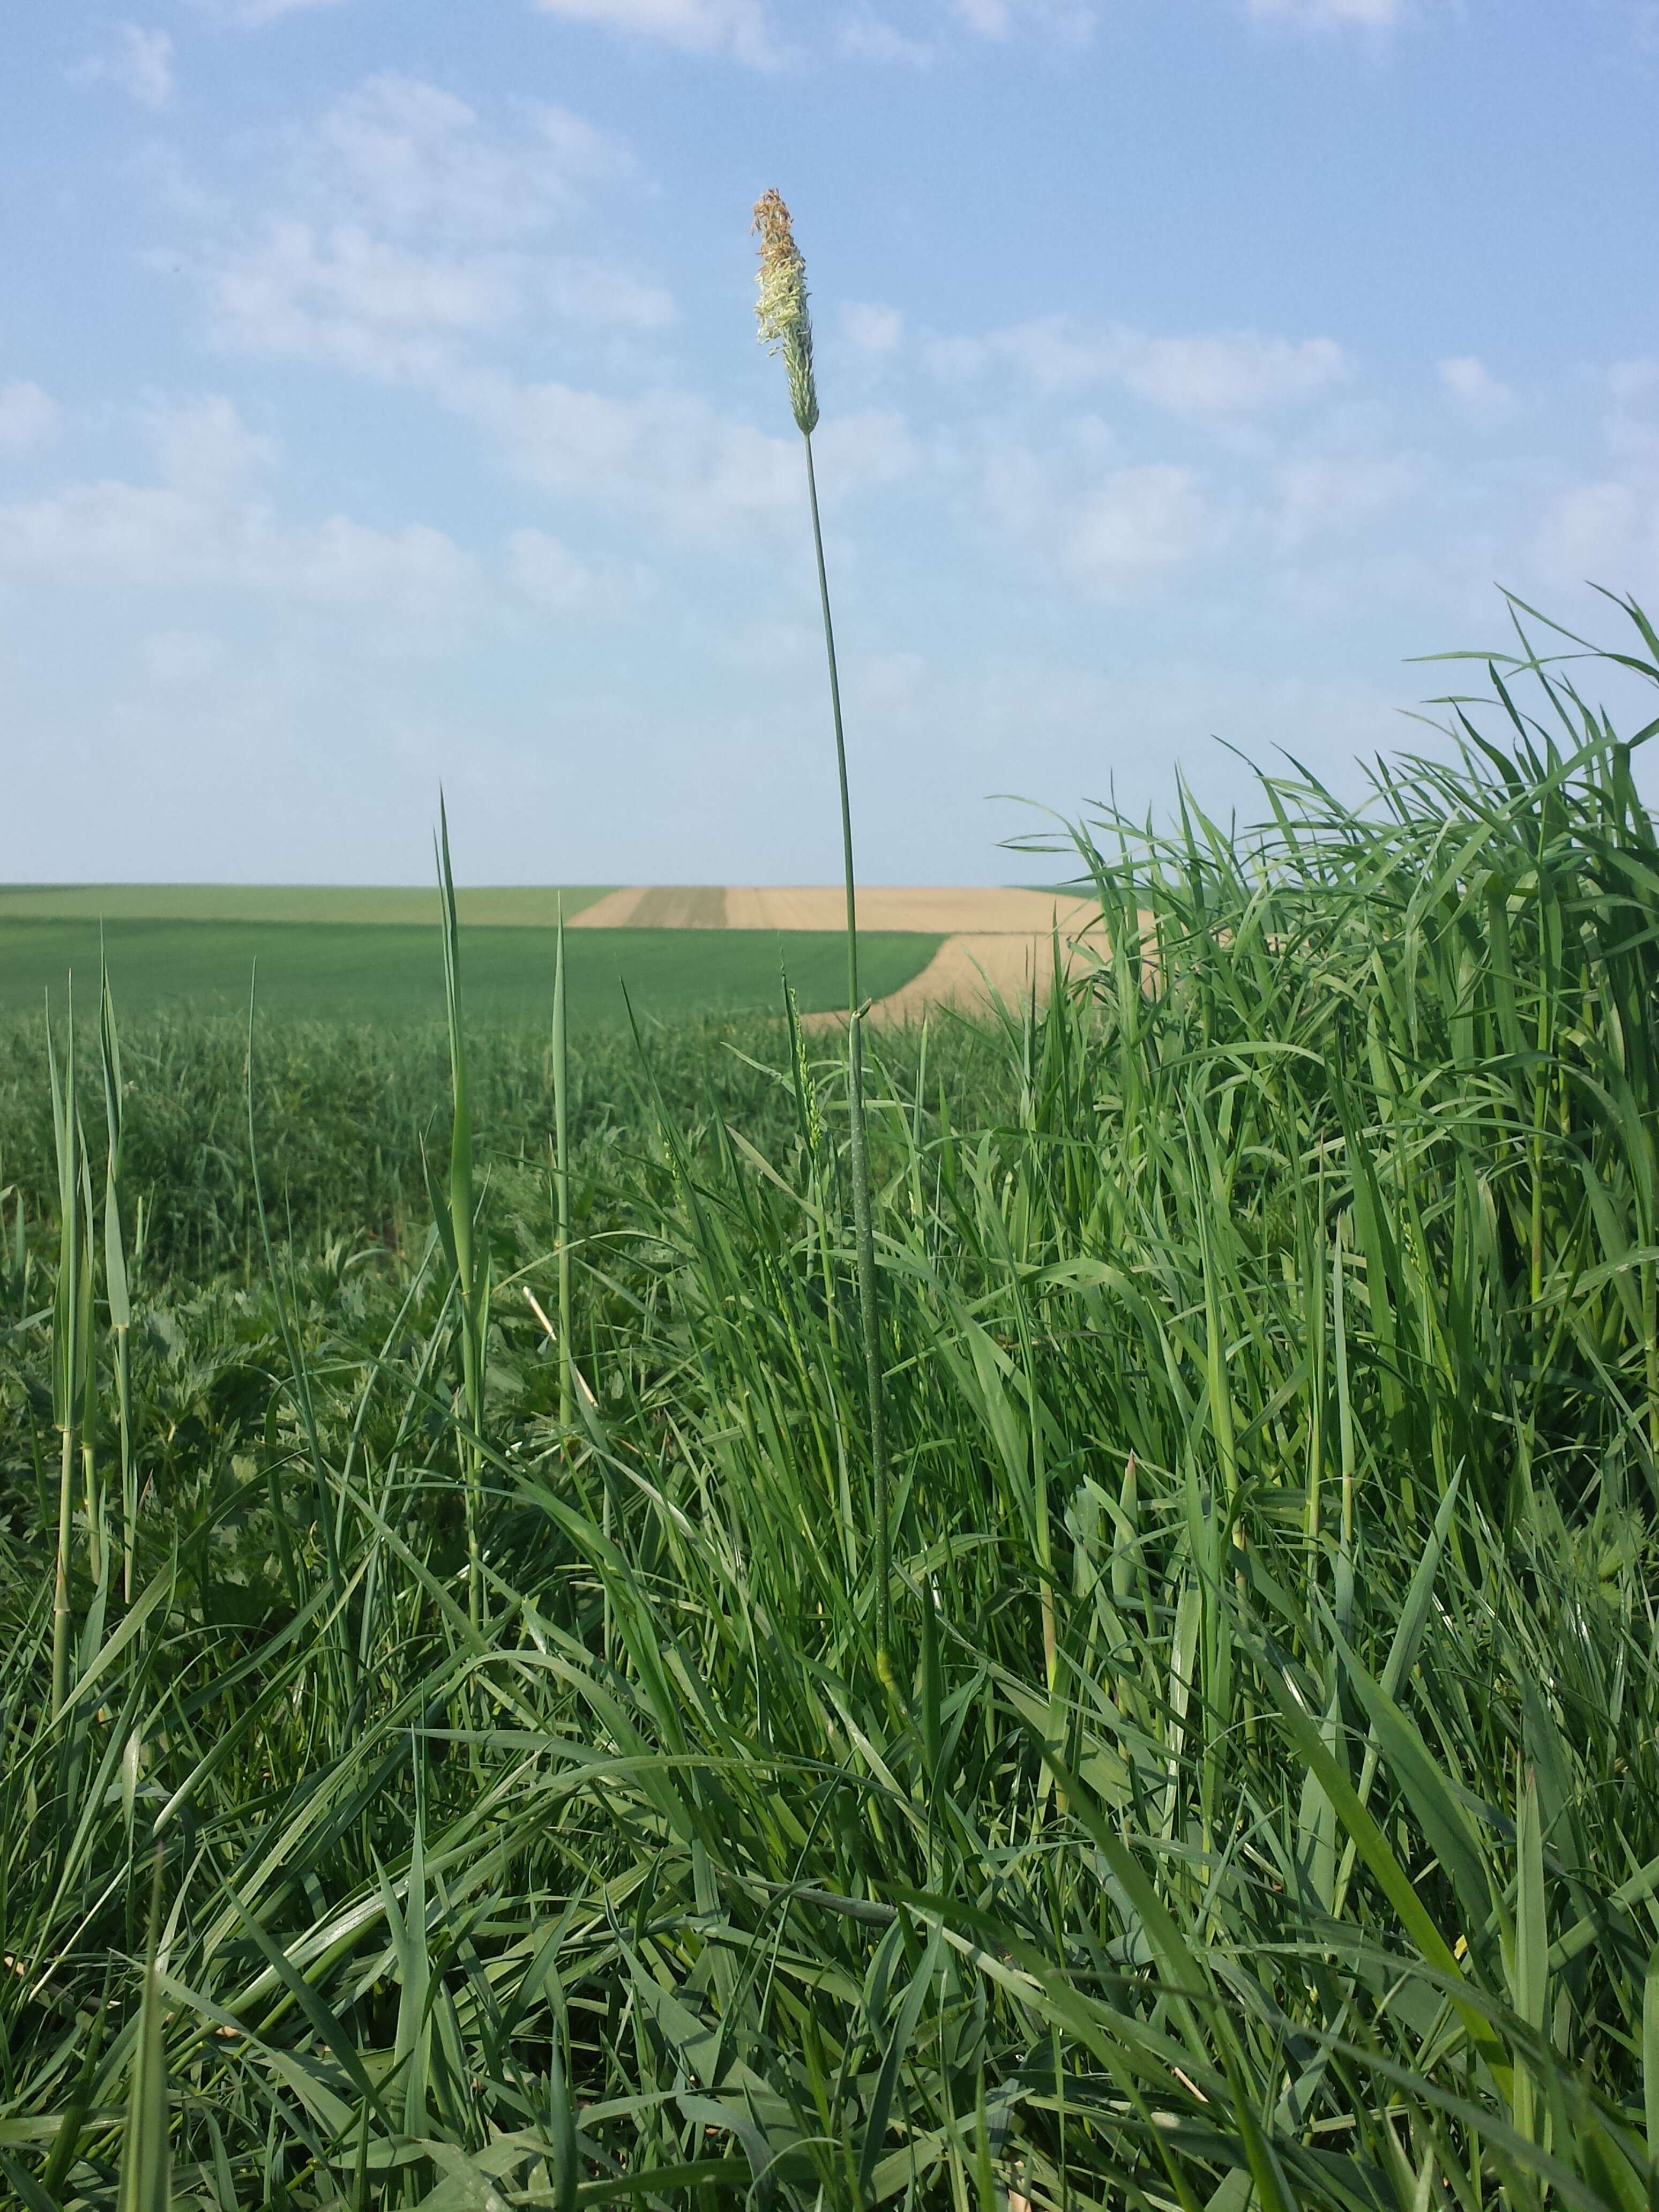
x=781 y=308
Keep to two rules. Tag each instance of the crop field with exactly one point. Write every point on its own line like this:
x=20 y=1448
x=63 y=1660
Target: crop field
x=358 y=971
x=196 y=945
x=530 y=1678
x=988 y=943
x=505 y=907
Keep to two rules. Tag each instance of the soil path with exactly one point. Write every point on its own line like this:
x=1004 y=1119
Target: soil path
x=968 y=970
x=936 y=909
x=996 y=939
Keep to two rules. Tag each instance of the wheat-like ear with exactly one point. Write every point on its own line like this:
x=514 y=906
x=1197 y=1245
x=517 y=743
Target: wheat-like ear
x=785 y=327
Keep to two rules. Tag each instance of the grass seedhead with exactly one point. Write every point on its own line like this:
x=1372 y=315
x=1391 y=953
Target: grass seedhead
x=781 y=310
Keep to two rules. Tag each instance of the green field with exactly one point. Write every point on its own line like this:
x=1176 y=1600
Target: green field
x=510 y=906
x=393 y=971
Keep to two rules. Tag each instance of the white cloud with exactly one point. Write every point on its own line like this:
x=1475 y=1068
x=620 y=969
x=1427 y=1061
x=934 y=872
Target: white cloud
x=137 y=62
x=1217 y=374
x=666 y=453
x=203 y=524
x=858 y=451
x=768 y=647
x=365 y=303
x=1140 y=520
x=545 y=571
x=1111 y=534
x=380 y=308
x=1634 y=380
x=1476 y=390
x=203 y=447
x=28 y=417
x=1369 y=14
x=181 y=656
x=867 y=36
x=734 y=26
x=870 y=37
x=958 y=360
x=250 y=14
x=602 y=298
x=872 y=329
x=1320 y=493
x=883 y=682
x=1229 y=371
x=408 y=233
x=1632 y=424
x=403 y=155
x=1605 y=530
x=705 y=478
x=1071 y=20
x=1603 y=534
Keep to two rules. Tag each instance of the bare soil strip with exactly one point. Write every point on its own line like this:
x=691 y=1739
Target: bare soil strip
x=695 y=906
x=969 y=971
x=997 y=939
x=938 y=910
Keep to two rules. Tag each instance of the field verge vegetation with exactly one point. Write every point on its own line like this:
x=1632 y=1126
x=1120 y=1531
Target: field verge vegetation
x=435 y=1787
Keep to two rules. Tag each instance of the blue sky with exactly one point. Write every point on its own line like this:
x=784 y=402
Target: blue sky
x=379 y=404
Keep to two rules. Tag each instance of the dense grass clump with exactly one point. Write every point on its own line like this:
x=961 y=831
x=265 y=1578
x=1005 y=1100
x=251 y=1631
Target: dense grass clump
x=477 y=1803
x=343 y=1112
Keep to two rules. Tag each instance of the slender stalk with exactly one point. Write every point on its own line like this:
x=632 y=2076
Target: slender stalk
x=117 y=1285
x=457 y=1215
x=785 y=328
x=60 y=1597
x=287 y=1326
x=146 y=2174
x=129 y=1462
x=88 y=1384
x=561 y=1170
x=68 y=1349
x=863 y=1222
x=853 y=1000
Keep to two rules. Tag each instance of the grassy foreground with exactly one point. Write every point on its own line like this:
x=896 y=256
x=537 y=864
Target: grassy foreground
x=1267 y=1810
x=355 y=972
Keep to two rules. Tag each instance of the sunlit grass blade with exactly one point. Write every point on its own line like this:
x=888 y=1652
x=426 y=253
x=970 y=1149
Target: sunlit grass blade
x=117 y=1283
x=146 y=2178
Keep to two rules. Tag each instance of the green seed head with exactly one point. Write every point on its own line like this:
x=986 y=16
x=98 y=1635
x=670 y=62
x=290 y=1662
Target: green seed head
x=781 y=308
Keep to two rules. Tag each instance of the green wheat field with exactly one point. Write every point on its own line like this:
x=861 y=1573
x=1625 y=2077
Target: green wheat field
x=357 y=955
x=347 y=973
x=483 y=1728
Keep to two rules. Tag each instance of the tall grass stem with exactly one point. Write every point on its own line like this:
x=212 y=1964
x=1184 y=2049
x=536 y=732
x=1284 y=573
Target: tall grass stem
x=69 y=1349
x=561 y=1171
x=863 y=1211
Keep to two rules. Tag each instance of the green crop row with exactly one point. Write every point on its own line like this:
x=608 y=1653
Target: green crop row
x=355 y=973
